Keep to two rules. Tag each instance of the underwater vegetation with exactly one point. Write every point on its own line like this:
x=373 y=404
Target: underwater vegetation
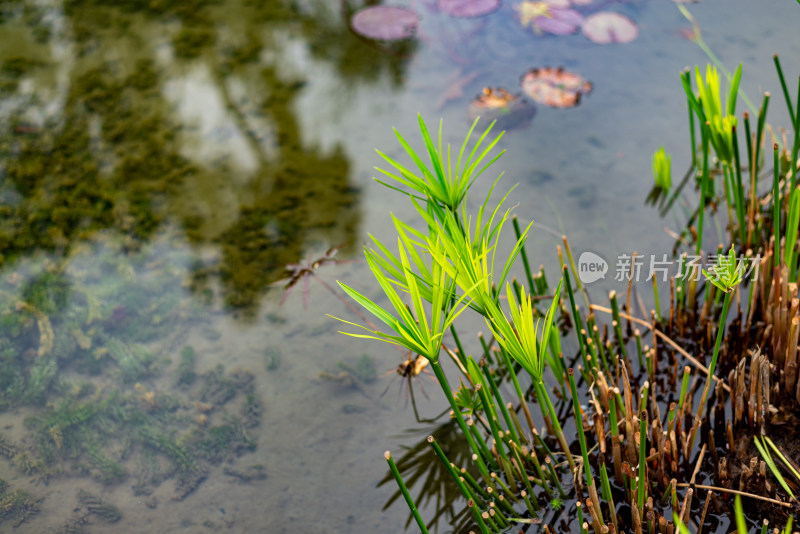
x=16 y=506
x=96 y=346
x=98 y=196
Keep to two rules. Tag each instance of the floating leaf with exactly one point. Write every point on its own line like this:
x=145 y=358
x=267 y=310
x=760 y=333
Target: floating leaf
x=556 y=88
x=559 y=21
x=494 y=98
x=498 y=104
x=386 y=23
x=468 y=8
x=607 y=27
x=551 y=16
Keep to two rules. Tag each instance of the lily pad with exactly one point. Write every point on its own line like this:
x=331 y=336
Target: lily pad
x=550 y=16
x=468 y=8
x=607 y=27
x=553 y=87
x=559 y=22
x=386 y=23
x=498 y=104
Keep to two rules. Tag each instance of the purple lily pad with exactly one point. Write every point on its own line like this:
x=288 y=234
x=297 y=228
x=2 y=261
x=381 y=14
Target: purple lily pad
x=468 y=8
x=386 y=23
x=560 y=22
x=607 y=27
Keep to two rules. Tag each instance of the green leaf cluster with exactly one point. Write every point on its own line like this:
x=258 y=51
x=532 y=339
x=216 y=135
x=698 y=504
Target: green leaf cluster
x=417 y=328
x=707 y=104
x=518 y=337
x=662 y=169
x=451 y=264
x=727 y=273
x=439 y=181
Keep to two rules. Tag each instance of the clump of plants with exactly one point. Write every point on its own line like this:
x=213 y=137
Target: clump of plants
x=656 y=449
x=17 y=506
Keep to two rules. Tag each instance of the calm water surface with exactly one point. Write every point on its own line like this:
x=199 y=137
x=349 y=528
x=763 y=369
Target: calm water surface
x=162 y=162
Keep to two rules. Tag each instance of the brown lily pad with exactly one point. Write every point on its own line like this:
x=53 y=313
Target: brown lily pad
x=553 y=87
x=386 y=23
x=510 y=111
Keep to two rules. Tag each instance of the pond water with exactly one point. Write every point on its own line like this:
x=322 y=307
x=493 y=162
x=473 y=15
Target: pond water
x=163 y=162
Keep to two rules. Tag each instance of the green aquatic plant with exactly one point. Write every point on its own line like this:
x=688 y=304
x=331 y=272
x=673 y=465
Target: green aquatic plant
x=186 y=368
x=662 y=169
x=726 y=276
x=409 y=500
x=764 y=447
x=413 y=330
x=457 y=252
x=440 y=183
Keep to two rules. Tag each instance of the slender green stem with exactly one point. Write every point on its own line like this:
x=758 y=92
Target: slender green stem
x=725 y=306
x=458 y=344
x=796 y=144
x=606 y=487
x=485 y=346
x=491 y=416
x=576 y=317
x=587 y=469
x=524 y=256
x=405 y=492
x=784 y=87
x=537 y=465
x=749 y=138
x=580 y=517
x=762 y=117
x=642 y=461
x=655 y=296
x=705 y=180
x=643 y=398
x=440 y=376
x=691 y=132
x=726 y=181
x=474 y=484
x=542 y=394
x=687 y=372
x=612 y=403
x=529 y=504
x=476 y=434
x=740 y=211
x=476 y=512
x=504 y=411
x=776 y=204
x=741 y=524
x=554 y=477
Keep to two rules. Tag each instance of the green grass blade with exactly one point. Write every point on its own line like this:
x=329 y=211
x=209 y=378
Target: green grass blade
x=772 y=467
x=733 y=90
x=782 y=457
x=435 y=159
x=741 y=525
x=464 y=146
x=784 y=88
x=370 y=306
